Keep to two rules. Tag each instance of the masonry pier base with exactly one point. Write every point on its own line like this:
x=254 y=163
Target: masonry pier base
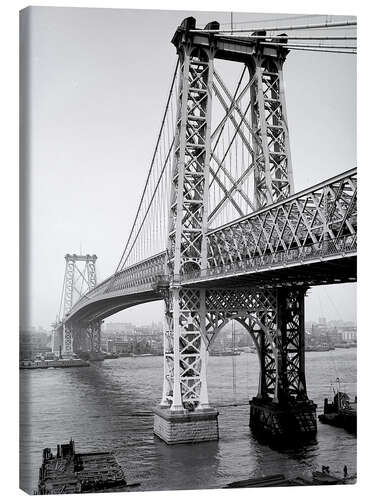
x=186 y=426
x=276 y=422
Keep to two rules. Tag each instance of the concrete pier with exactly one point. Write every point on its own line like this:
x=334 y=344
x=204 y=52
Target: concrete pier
x=186 y=426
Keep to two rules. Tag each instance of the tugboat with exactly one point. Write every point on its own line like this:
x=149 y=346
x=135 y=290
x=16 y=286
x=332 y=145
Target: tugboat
x=341 y=412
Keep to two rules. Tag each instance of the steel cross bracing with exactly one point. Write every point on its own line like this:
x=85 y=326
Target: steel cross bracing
x=188 y=214
x=273 y=318
x=78 y=279
x=315 y=223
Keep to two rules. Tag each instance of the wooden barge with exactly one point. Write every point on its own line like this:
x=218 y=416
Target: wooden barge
x=53 y=363
x=71 y=472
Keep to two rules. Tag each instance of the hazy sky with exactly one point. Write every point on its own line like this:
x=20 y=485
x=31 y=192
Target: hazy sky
x=99 y=81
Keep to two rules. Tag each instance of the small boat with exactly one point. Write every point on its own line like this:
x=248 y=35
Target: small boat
x=341 y=412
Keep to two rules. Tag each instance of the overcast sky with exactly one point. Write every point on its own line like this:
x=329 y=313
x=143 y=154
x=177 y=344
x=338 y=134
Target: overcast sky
x=99 y=81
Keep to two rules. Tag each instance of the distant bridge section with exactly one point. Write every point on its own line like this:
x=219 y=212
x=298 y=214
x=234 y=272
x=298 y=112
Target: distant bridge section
x=134 y=285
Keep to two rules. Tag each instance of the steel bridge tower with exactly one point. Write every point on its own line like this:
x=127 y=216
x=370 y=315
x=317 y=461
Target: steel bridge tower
x=273 y=316
x=70 y=337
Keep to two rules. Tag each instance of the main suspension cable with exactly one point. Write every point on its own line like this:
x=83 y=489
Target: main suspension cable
x=285 y=28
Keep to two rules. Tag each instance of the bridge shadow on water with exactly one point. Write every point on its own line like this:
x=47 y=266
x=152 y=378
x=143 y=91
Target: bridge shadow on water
x=295 y=447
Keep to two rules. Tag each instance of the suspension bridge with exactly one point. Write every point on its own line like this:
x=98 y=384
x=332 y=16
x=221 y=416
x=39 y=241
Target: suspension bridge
x=221 y=234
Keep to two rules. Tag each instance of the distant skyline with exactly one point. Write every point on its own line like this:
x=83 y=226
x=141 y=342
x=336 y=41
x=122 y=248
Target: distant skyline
x=98 y=84
x=110 y=322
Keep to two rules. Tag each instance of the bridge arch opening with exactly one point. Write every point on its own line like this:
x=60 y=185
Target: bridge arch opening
x=234 y=367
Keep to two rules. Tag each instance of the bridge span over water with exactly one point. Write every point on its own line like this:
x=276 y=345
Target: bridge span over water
x=219 y=234
x=309 y=238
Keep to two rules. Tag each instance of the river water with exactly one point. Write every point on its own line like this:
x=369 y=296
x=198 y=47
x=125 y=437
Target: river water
x=108 y=406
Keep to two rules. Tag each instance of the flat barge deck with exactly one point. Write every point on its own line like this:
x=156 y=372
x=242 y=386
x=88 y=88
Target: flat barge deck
x=53 y=363
x=71 y=472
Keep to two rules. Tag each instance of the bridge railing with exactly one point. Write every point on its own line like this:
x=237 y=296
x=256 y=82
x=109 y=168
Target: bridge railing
x=144 y=274
x=324 y=249
x=324 y=212
x=148 y=271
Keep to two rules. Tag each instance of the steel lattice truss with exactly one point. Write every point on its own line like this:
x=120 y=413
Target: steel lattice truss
x=68 y=333
x=186 y=304
x=189 y=175
x=321 y=220
x=273 y=171
x=274 y=319
x=316 y=223
x=78 y=279
x=94 y=335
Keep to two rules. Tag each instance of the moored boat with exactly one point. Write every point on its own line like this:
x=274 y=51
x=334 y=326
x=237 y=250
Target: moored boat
x=341 y=412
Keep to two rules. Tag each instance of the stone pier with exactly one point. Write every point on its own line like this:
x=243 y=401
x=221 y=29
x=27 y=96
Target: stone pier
x=186 y=426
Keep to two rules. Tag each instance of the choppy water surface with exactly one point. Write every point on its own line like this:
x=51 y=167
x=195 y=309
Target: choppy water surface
x=107 y=406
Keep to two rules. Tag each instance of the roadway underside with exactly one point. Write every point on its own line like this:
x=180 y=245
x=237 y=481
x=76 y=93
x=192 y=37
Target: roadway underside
x=333 y=271
x=102 y=308
x=327 y=272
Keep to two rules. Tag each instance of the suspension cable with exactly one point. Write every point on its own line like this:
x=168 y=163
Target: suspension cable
x=150 y=202
x=289 y=18
x=317 y=46
x=327 y=51
x=283 y=37
x=285 y=28
x=151 y=166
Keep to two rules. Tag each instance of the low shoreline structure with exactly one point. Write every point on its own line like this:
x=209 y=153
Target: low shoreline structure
x=53 y=363
x=277 y=480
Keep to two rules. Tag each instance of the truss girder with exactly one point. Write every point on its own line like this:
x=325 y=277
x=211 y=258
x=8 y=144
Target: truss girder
x=319 y=221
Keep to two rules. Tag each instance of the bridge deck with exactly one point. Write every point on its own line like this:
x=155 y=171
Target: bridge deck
x=309 y=238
